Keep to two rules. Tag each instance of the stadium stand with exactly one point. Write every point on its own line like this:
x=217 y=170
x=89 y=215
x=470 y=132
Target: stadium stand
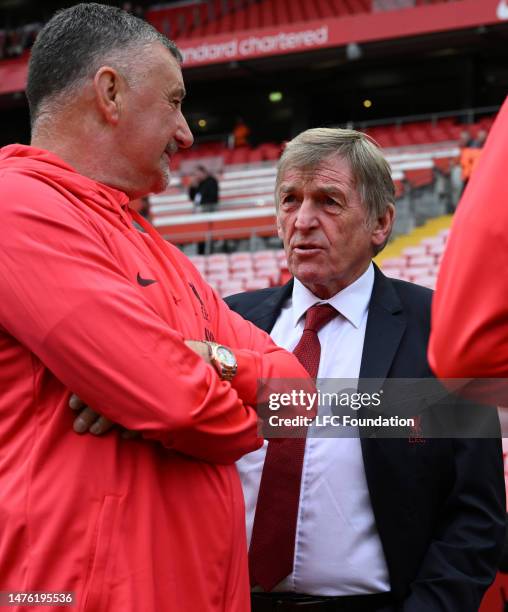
x=267 y=13
x=202 y=19
x=243 y=271
x=421 y=171
x=198 y=19
x=418 y=264
x=389 y=136
x=246 y=271
x=425 y=132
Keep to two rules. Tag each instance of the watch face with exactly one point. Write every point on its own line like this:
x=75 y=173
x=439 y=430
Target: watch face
x=226 y=356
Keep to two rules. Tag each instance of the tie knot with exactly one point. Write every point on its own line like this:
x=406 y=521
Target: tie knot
x=318 y=315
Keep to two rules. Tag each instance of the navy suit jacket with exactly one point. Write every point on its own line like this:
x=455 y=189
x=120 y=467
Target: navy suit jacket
x=439 y=506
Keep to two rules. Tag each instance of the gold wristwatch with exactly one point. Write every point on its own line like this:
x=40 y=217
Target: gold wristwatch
x=223 y=360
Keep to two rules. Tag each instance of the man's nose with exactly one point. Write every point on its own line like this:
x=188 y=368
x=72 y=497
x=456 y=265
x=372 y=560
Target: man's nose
x=306 y=217
x=183 y=136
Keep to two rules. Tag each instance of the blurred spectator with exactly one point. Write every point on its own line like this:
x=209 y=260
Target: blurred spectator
x=465 y=139
x=465 y=159
x=15 y=42
x=134 y=9
x=470 y=153
x=241 y=133
x=204 y=190
x=14 y=47
x=480 y=139
x=476 y=148
x=455 y=183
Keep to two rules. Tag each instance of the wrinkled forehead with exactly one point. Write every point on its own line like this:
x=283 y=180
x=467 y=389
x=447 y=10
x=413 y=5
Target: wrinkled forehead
x=329 y=172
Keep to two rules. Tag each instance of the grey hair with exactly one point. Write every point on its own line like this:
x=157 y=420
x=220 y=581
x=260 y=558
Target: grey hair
x=77 y=41
x=371 y=172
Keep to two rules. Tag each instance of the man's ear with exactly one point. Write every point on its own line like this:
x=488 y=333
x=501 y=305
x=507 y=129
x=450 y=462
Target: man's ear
x=108 y=88
x=383 y=226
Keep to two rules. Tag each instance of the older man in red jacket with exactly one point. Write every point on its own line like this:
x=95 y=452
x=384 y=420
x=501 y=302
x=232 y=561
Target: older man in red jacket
x=91 y=304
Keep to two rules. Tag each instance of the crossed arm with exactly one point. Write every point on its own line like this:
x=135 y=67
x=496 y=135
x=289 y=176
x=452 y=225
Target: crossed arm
x=89 y=420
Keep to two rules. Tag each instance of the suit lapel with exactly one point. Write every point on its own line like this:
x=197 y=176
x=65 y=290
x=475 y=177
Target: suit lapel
x=386 y=324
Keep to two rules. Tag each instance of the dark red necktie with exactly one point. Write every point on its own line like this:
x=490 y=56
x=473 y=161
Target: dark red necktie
x=272 y=547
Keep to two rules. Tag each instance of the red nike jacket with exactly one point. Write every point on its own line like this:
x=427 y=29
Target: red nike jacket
x=148 y=525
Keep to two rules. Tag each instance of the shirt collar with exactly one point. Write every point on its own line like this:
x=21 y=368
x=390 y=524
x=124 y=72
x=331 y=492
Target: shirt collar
x=352 y=302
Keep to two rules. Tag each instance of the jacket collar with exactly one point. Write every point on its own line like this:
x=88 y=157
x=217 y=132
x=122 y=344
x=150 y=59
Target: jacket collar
x=386 y=323
x=264 y=314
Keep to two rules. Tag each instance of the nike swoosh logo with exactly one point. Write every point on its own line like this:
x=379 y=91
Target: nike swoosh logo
x=502 y=10
x=144 y=282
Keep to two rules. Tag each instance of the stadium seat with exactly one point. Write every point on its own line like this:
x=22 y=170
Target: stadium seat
x=395 y=263
x=257 y=283
x=231 y=287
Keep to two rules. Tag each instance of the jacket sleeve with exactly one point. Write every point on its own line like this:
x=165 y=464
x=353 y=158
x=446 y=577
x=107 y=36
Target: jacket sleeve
x=470 y=310
x=259 y=358
x=66 y=299
x=462 y=559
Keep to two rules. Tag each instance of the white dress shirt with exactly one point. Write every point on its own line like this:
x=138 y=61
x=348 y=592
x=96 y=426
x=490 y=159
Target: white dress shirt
x=337 y=548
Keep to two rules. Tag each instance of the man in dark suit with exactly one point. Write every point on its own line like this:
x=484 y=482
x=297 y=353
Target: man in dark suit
x=204 y=193
x=204 y=190
x=406 y=524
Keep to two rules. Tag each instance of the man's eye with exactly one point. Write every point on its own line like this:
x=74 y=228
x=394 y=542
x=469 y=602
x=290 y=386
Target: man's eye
x=332 y=204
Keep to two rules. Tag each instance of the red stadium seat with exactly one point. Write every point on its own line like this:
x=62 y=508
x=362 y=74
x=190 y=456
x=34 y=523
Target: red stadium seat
x=419 y=178
x=239 y=156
